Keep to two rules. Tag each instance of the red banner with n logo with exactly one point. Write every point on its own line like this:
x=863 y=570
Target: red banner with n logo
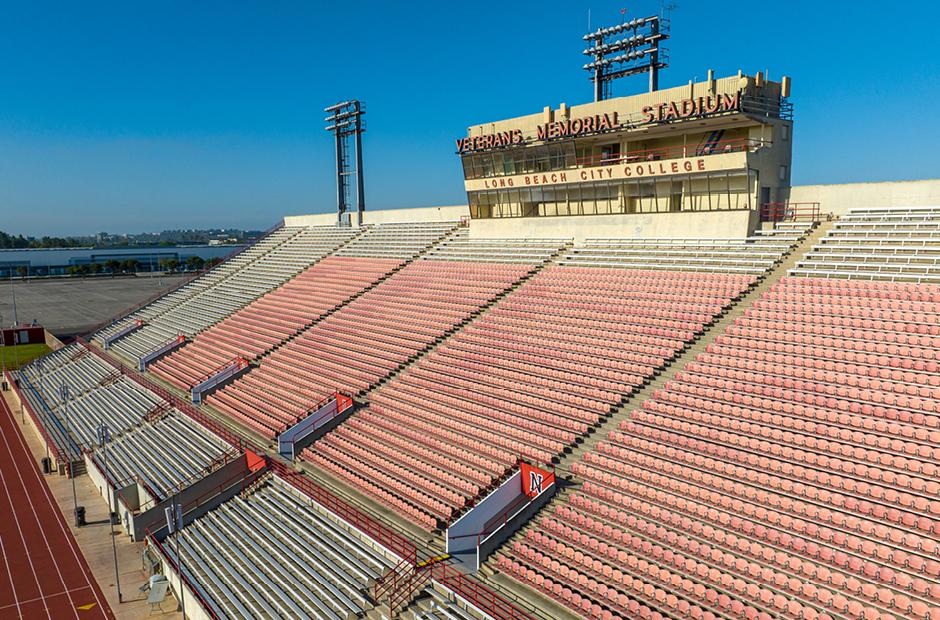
x=534 y=479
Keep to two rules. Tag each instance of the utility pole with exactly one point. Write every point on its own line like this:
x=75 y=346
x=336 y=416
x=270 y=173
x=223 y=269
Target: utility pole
x=104 y=437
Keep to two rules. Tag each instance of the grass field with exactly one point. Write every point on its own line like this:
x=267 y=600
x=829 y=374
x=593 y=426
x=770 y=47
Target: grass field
x=14 y=357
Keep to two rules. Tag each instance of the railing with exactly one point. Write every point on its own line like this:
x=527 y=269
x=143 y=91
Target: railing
x=207 y=422
x=394 y=542
x=72 y=449
x=674 y=152
x=789 y=211
x=388 y=582
x=402 y=596
x=194 y=588
x=477 y=594
x=128 y=311
x=53 y=448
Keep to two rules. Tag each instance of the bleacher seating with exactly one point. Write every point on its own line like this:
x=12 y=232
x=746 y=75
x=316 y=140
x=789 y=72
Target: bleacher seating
x=270 y=320
x=791 y=471
x=893 y=243
x=397 y=241
x=162 y=454
x=357 y=346
x=753 y=255
x=206 y=280
x=276 y=554
x=210 y=305
x=98 y=395
x=436 y=605
x=526 y=379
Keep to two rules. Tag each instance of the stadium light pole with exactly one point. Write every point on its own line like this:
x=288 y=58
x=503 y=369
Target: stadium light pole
x=104 y=436
x=65 y=394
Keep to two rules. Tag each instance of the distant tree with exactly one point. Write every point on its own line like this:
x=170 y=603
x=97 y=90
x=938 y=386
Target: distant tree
x=195 y=263
x=169 y=264
x=130 y=265
x=22 y=271
x=95 y=268
x=72 y=270
x=212 y=262
x=113 y=266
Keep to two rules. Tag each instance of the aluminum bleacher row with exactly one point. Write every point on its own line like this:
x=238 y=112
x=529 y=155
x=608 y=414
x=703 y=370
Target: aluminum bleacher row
x=162 y=453
x=273 y=553
x=372 y=336
x=752 y=255
x=98 y=395
x=281 y=314
x=893 y=243
x=792 y=470
x=527 y=378
x=209 y=306
x=205 y=281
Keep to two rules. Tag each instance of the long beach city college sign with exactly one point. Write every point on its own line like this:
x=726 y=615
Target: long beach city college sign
x=613 y=172
x=602 y=123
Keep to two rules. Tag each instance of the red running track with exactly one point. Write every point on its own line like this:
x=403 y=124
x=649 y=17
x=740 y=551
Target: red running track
x=42 y=571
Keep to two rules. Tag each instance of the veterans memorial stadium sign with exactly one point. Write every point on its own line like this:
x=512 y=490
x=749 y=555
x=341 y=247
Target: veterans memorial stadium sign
x=602 y=123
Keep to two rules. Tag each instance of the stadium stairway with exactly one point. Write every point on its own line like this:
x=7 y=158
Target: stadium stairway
x=569 y=482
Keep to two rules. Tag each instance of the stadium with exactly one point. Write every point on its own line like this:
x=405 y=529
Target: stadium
x=637 y=375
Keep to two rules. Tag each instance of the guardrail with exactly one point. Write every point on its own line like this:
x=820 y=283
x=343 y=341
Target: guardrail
x=174 y=400
x=53 y=448
x=736 y=145
x=194 y=588
x=789 y=211
x=477 y=594
x=382 y=534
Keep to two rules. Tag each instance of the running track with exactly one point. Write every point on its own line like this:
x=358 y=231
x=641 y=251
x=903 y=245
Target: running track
x=42 y=571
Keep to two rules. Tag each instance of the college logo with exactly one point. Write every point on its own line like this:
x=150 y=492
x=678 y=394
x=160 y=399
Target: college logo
x=535 y=482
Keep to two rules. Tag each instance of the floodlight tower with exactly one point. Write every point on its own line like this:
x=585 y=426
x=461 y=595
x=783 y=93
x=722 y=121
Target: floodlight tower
x=345 y=120
x=639 y=50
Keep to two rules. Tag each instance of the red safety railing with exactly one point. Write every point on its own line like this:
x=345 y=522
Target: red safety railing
x=675 y=152
x=195 y=275
x=406 y=591
x=174 y=400
x=239 y=361
x=789 y=211
x=53 y=447
x=388 y=582
x=382 y=534
x=343 y=402
x=477 y=594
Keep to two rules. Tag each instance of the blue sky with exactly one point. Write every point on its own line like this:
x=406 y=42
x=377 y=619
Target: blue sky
x=130 y=116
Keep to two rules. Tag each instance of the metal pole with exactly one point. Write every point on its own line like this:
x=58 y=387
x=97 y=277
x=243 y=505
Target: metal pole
x=178 y=519
x=65 y=394
x=13 y=294
x=103 y=438
x=360 y=185
x=654 y=57
x=42 y=392
x=340 y=180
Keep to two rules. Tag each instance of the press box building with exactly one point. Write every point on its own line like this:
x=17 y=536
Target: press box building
x=722 y=145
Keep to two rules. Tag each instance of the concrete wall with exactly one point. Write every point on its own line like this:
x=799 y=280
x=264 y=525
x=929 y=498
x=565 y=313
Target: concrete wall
x=649 y=225
x=387 y=216
x=837 y=199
